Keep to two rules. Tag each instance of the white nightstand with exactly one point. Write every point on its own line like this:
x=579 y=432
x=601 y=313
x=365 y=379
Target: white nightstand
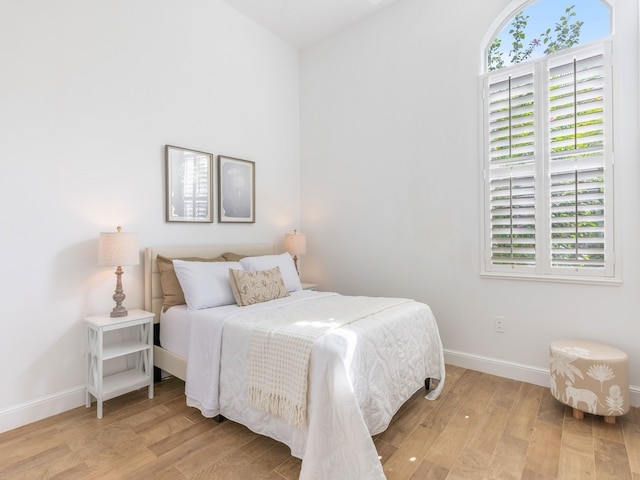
x=309 y=286
x=140 y=347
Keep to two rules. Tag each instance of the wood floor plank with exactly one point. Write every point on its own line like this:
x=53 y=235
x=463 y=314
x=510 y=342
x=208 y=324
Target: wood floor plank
x=543 y=456
x=39 y=465
x=486 y=437
x=126 y=466
x=289 y=470
x=214 y=451
x=602 y=429
x=577 y=454
x=164 y=429
x=174 y=451
x=633 y=416
x=531 y=475
x=551 y=410
x=430 y=471
x=631 y=435
x=525 y=409
x=440 y=416
x=403 y=425
x=277 y=455
x=471 y=464
x=100 y=447
x=169 y=474
x=234 y=466
x=385 y=450
x=259 y=446
x=481 y=427
x=505 y=394
x=611 y=460
x=483 y=392
x=79 y=471
x=453 y=439
x=509 y=458
x=406 y=459
x=18 y=448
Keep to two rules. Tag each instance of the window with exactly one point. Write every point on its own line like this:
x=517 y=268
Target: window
x=548 y=165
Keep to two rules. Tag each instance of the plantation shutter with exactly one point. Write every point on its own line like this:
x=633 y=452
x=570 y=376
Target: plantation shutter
x=548 y=166
x=577 y=161
x=194 y=177
x=511 y=169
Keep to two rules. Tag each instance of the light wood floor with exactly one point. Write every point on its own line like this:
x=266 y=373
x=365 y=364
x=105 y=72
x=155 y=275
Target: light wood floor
x=481 y=427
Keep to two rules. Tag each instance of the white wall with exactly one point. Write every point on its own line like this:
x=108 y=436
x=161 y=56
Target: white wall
x=391 y=187
x=90 y=92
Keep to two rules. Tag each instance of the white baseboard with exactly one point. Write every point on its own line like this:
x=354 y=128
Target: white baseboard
x=38 y=409
x=514 y=371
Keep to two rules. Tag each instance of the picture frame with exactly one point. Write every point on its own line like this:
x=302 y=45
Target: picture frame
x=189 y=185
x=236 y=190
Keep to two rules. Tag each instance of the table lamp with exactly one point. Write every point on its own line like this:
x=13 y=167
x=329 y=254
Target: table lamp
x=117 y=249
x=296 y=244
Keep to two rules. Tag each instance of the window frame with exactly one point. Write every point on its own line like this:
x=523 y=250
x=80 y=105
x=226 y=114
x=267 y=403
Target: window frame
x=543 y=269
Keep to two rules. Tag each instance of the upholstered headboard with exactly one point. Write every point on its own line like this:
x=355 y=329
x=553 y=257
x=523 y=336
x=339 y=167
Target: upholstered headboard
x=152 y=286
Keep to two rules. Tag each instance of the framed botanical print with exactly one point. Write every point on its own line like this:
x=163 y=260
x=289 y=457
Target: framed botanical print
x=189 y=187
x=236 y=190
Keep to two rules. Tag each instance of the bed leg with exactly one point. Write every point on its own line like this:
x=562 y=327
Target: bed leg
x=219 y=418
x=427 y=382
x=157 y=372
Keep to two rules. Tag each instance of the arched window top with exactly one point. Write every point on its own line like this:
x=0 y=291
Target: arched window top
x=528 y=29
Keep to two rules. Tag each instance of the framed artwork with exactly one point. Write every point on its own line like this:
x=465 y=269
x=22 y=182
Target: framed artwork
x=236 y=190
x=189 y=189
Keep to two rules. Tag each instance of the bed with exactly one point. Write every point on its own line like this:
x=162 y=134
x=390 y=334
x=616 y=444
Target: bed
x=359 y=372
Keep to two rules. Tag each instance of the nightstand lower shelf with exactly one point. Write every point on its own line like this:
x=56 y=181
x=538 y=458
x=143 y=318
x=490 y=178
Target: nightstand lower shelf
x=120 y=383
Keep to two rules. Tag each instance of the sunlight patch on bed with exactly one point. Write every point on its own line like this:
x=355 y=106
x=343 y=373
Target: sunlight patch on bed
x=329 y=323
x=350 y=342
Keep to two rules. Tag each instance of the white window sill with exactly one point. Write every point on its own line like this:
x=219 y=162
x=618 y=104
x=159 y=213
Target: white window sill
x=584 y=280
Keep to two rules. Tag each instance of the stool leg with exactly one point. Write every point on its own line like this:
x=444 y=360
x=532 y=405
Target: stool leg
x=611 y=420
x=579 y=414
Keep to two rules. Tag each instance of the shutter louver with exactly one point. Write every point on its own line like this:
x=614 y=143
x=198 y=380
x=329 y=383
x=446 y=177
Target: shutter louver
x=194 y=177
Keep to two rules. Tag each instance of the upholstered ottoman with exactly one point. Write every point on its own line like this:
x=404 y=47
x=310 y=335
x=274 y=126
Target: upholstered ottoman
x=590 y=377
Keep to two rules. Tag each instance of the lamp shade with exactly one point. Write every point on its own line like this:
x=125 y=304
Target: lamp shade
x=117 y=248
x=295 y=243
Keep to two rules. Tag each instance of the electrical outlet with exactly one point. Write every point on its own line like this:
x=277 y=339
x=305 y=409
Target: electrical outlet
x=499 y=324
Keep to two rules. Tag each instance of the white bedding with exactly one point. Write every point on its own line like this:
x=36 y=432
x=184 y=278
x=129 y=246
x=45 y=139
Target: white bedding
x=360 y=374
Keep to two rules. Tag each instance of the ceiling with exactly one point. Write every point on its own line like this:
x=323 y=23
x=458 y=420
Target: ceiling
x=301 y=23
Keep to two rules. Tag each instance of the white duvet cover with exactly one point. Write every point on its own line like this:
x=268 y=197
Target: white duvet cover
x=359 y=375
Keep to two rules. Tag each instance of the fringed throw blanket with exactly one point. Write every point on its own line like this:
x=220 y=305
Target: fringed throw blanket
x=280 y=350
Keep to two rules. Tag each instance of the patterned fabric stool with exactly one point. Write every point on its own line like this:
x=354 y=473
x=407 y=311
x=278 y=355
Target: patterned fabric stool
x=590 y=377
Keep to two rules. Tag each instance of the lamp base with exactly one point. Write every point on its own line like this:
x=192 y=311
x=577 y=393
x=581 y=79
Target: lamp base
x=119 y=296
x=118 y=311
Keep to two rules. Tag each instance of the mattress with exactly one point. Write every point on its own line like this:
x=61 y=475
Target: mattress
x=175 y=332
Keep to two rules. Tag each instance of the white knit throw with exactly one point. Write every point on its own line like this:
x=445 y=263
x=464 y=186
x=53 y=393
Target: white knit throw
x=280 y=350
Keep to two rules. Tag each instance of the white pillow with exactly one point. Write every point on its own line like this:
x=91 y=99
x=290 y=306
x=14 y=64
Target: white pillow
x=205 y=284
x=267 y=262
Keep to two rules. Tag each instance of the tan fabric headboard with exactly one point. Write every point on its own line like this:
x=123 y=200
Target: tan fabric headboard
x=152 y=287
